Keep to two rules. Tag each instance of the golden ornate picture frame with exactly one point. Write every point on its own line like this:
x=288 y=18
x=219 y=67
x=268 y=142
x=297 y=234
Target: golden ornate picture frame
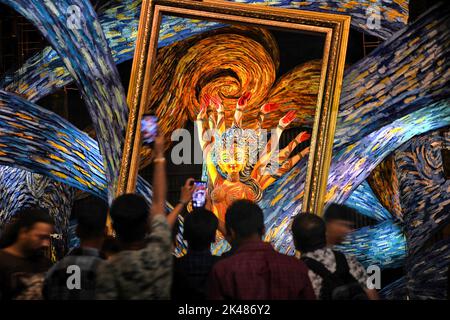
x=334 y=27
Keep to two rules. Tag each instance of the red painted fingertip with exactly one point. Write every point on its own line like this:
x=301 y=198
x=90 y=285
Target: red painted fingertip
x=244 y=98
x=305 y=136
x=289 y=116
x=269 y=107
x=216 y=101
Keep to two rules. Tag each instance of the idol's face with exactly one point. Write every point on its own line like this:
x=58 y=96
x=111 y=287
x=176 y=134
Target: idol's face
x=232 y=161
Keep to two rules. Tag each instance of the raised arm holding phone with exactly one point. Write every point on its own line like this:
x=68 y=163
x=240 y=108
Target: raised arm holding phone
x=143 y=269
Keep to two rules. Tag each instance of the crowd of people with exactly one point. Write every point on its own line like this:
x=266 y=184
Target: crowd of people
x=138 y=263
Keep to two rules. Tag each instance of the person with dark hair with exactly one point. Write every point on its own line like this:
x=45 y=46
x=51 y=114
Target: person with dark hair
x=191 y=271
x=91 y=231
x=255 y=271
x=23 y=263
x=339 y=221
x=129 y=213
x=143 y=269
x=333 y=274
x=110 y=247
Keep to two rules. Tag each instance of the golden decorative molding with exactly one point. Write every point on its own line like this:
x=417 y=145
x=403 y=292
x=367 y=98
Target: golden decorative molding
x=334 y=27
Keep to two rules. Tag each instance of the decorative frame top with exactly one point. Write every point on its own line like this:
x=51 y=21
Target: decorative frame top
x=334 y=27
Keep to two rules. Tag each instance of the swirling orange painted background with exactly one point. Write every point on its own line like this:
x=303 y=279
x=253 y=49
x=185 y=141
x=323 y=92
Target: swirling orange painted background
x=229 y=62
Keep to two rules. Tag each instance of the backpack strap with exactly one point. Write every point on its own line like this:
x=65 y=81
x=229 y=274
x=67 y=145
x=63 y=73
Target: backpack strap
x=317 y=267
x=342 y=267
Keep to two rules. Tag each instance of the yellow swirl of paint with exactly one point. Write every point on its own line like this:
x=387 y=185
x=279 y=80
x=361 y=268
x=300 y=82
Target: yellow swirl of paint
x=227 y=63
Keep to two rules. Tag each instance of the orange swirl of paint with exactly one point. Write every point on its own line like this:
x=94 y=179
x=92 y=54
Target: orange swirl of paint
x=225 y=61
x=296 y=90
x=229 y=69
x=229 y=62
x=225 y=65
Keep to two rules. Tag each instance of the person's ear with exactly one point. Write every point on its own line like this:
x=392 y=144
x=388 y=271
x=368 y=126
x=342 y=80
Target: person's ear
x=22 y=232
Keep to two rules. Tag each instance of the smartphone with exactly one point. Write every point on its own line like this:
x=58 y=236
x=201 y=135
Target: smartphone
x=199 y=194
x=149 y=128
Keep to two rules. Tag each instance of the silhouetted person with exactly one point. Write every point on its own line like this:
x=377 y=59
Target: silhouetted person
x=191 y=271
x=143 y=269
x=91 y=231
x=185 y=197
x=256 y=271
x=23 y=263
x=110 y=248
x=339 y=221
x=333 y=274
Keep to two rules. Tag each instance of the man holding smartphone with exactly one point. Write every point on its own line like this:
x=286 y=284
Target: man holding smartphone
x=143 y=270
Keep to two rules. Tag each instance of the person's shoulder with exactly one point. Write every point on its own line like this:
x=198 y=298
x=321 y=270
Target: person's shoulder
x=60 y=265
x=352 y=261
x=7 y=262
x=281 y=256
x=350 y=258
x=292 y=261
x=108 y=266
x=4 y=258
x=301 y=265
x=179 y=262
x=46 y=262
x=289 y=259
x=107 y=271
x=225 y=263
x=225 y=260
x=131 y=260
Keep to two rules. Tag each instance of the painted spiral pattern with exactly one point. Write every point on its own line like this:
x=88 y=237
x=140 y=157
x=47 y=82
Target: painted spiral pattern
x=227 y=63
x=45 y=72
x=424 y=191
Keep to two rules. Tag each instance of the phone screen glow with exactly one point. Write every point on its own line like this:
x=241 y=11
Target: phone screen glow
x=199 y=194
x=149 y=128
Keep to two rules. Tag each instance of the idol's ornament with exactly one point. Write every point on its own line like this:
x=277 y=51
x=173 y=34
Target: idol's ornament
x=241 y=163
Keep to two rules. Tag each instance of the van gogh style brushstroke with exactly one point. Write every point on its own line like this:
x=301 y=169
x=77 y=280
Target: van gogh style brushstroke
x=87 y=56
x=44 y=73
x=40 y=141
x=413 y=64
